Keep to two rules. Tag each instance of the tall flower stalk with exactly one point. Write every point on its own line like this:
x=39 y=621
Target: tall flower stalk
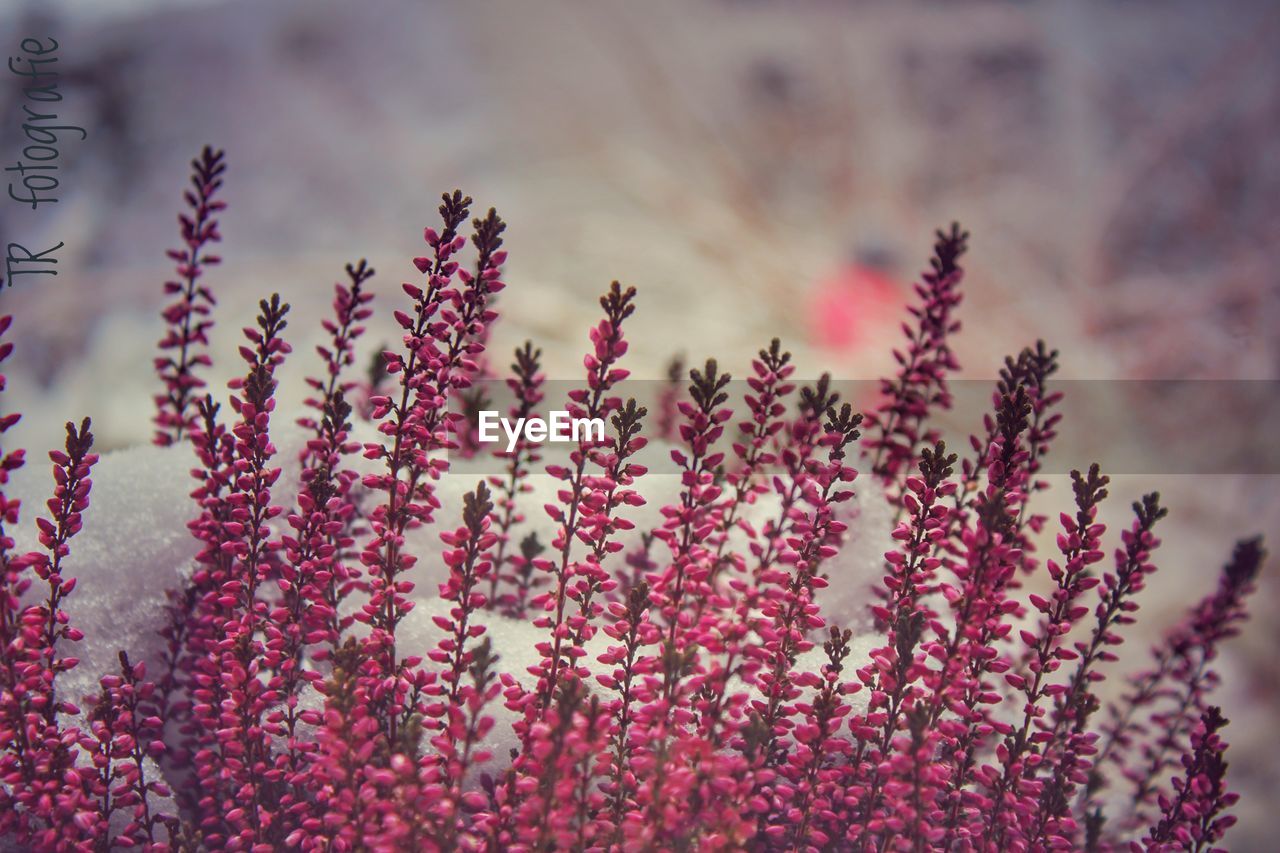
x=182 y=349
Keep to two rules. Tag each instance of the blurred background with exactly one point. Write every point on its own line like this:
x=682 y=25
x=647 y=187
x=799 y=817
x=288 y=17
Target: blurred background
x=755 y=168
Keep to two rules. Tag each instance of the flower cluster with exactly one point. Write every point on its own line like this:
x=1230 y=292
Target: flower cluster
x=689 y=691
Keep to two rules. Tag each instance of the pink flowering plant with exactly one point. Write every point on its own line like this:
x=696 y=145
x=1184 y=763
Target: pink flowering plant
x=688 y=687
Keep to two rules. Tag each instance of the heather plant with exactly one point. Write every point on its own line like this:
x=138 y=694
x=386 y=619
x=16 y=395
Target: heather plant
x=689 y=688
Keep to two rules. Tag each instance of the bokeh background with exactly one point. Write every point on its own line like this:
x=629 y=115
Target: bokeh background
x=754 y=167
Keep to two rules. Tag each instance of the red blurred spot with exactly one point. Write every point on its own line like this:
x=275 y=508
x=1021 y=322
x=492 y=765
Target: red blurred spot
x=848 y=305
